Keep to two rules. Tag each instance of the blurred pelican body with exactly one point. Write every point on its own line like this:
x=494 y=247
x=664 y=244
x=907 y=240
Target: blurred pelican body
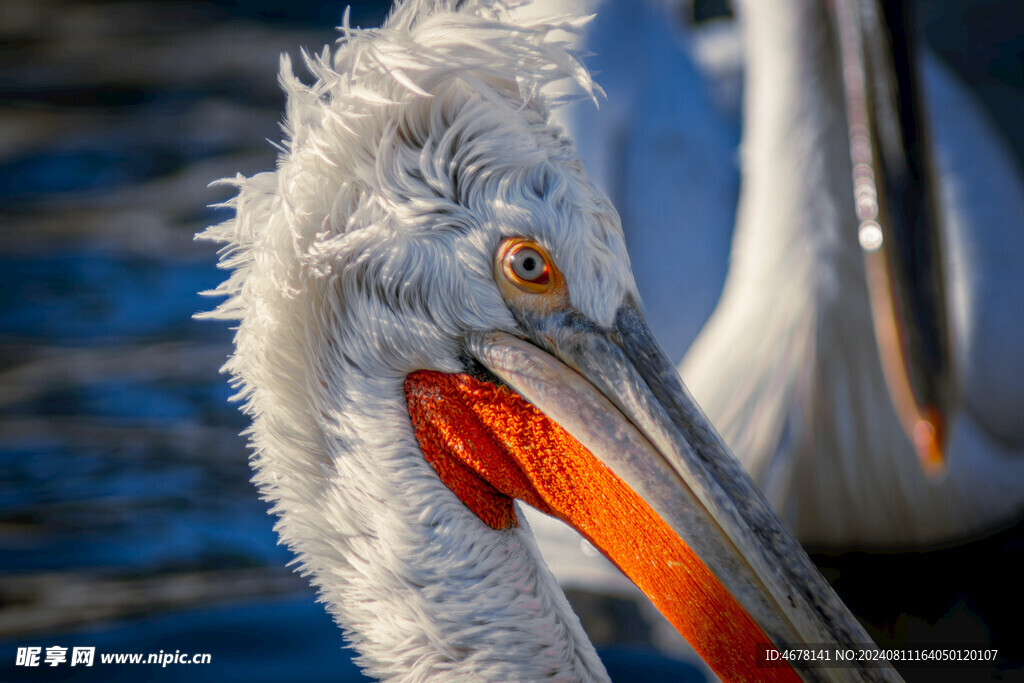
x=787 y=367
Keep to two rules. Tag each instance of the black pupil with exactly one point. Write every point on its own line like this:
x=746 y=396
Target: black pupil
x=529 y=263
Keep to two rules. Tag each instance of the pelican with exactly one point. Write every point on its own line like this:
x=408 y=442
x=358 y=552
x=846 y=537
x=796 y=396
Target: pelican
x=800 y=394
x=436 y=315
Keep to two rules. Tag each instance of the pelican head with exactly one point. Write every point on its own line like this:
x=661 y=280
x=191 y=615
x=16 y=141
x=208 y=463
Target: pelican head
x=437 y=315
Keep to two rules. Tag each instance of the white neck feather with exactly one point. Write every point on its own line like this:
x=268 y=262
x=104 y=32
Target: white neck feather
x=423 y=588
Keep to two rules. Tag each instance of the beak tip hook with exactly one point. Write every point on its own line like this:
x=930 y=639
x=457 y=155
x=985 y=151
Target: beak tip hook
x=929 y=436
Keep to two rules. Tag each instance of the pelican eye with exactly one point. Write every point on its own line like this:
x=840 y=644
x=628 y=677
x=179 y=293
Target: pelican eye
x=526 y=265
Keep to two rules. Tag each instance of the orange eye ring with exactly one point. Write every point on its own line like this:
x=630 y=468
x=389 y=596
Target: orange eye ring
x=527 y=265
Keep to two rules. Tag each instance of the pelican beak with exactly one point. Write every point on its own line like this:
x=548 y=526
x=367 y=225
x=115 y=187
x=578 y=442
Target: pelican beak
x=601 y=433
x=899 y=226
